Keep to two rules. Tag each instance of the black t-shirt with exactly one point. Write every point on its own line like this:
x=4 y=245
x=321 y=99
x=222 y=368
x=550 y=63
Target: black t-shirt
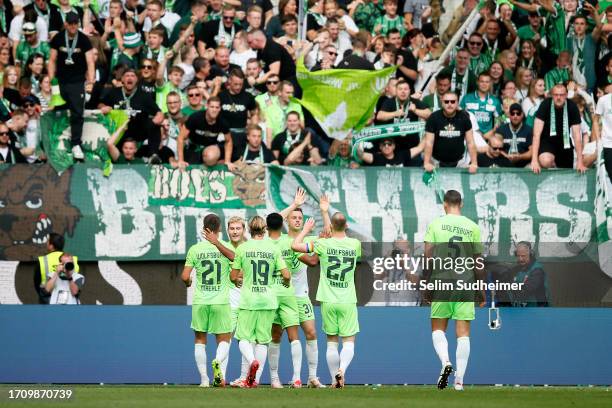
x=311 y=23
x=14 y=97
x=353 y=61
x=203 y=133
x=400 y=159
x=210 y=31
x=523 y=137
x=409 y=62
x=56 y=19
x=486 y=161
x=449 y=135
x=147 y=87
x=216 y=71
x=283 y=144
x=256 y=156
x=75 y=72
x=274 y=52
x=139 y=101
x=543 y=113
x=266 y=5
x=235 y=108
x=391 y=105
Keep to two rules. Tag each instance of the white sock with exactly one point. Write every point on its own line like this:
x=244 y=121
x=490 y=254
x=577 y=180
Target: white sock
x=226 y=360
x=463 y=354
x=199 y=352
x=312 y=355
x=440 y=345
x=273 y=357
x=261 y=352
x=244 y=368
x=346 y=355
x=246 y=348
x=333 y=358
x=296 y=357
x=222 y=352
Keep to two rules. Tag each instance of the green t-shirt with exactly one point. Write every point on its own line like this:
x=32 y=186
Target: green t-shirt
x=212 y=281
x=555 y=28
x=480 y=64
x=276 y=115
x=485 y=110
x=454 y=232
x=556 y=76
x=338 y=258
x=291 y=260
x=260 y=261
x=388 y=24
x=188 y=110
x=25 y=50
x=526 y=32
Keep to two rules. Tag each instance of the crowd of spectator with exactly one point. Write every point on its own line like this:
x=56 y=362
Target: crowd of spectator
x=213 y=81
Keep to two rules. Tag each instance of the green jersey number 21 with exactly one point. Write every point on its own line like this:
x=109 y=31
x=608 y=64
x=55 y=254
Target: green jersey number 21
x=209 y=269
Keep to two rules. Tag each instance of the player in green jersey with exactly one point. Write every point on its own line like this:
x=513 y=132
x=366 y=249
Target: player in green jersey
x=453 y=236
x=338 y=256
x=257 y=262
x=210 y=306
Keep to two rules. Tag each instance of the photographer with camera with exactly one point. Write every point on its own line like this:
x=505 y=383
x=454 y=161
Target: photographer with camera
x=65 y=283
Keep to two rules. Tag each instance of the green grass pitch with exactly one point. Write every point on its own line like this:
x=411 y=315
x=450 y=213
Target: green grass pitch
x=147 y=396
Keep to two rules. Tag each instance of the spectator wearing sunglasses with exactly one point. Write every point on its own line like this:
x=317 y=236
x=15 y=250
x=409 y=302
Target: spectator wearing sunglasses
x=517 y=137
x=328 y=59
x=31 y=105
x=495 y=156
x=194 y=101
x=148 y=69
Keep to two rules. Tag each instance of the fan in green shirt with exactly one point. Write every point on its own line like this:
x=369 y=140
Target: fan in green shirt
x=338 y=256
x=485 y=106
x=210 y=311
x=457 y=238
x=561 y=73
x=257 y=264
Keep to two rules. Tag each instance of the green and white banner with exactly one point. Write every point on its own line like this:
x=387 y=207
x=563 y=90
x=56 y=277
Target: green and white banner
x=603 y=214
x=97 y=129
x=341 y=100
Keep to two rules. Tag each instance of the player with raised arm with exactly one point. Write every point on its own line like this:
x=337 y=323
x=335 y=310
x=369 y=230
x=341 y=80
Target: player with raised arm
x=210 y=307
x=338 y=256
x=256 y=263
x=236 y=227
x=455 y=236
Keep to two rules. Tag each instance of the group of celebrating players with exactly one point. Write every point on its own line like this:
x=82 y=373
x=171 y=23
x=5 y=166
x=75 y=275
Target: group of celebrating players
x=255 y=289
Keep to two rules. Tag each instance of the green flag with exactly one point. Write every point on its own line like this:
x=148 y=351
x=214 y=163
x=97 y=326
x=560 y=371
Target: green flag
x=341 y=100
x=55 y=137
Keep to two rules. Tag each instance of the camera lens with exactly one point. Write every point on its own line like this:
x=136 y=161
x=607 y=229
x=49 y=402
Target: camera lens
x=69 y=266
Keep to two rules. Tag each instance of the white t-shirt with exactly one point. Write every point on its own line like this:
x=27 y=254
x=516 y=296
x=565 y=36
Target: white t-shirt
x=604 y=110
x=15 y=33
x=61 y=294
x=168 y=20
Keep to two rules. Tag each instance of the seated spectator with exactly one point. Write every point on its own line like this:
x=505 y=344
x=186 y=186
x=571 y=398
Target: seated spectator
x=388 y=157
x=341 y=154
x=294 y=145
x=210 y=141
x=65 y=283
x=8 y=152
x=516 y=137
x=255 y=151
x=495 y=155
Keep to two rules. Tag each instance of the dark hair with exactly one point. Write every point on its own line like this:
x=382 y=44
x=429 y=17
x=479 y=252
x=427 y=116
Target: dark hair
x=212 y=222
x=452 y=197
x=236 y=72
x=288 y=18
x=129 y=140
x=444 y=75
x=200 y=63
x=57 y=241
x=393 y=31
x=274 y=221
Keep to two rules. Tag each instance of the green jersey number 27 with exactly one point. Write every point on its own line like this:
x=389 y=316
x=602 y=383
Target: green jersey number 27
x=339 y=266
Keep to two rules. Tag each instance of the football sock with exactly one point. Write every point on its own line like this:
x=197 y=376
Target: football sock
x=222 y=352
x=261 y=351
x=440 y=345
x=244 y=368
x=273 y=356
x=346 y=355
x=296 y=356
x=225 y=361
x=312 y=355
x=200 y=358
x=333 y=358
x=246 y=348
x=463 y=354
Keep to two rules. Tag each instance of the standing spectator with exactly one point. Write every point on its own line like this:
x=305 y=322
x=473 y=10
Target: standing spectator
x=32 y=45
x=345 y=22
x=59 y=17
x=463 y=80
x=447 y=131
x=433 y=101
x=357 y=58
x=286 y=8
x=174 y=120
x=158 y=16
x=517 y=137
x=222 y=66
x=210 y=140
x=554 y=121
x=340 y=154
x=603 y=121
x=269 y=98
x=47 y=264
x=479 y=61
x=275 y=59
x=253 y=72
x=561 y=74
x=389 y=20
x=65 y=283
x=485 y=107
x=34 y=68
x=494 y=156
x=31 y=105
x=583 y=47
x=276 y=114
x=416 y=12
x=338 y=38
x=241 y=53
x=219 y=33
x=194 y=101
x=328 y=60
x=315 y=20
x=71 y=62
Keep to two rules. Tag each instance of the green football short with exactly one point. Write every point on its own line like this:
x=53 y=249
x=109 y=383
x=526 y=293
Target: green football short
x=340 y=319
x=305 y=309
x=255 y=325
x=453 y=310
x=234 y=318
x=287 y=314
x=214 y=319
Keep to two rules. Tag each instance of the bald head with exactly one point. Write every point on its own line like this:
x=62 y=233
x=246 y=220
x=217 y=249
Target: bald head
x=338 y=222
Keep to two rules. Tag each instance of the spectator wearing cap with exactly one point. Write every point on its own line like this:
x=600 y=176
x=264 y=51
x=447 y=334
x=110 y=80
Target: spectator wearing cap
x=516 y=136
x=132 y=43
x=15 y=27
x=494 y=156
x=32 y=45
x=388 y=156
x=31 y=105
x=72 y=64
